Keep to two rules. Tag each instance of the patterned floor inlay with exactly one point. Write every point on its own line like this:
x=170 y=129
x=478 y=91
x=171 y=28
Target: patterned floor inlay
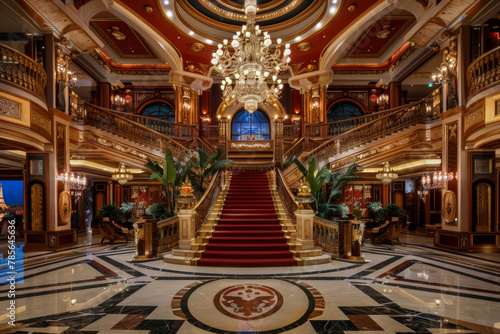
x=394 y=292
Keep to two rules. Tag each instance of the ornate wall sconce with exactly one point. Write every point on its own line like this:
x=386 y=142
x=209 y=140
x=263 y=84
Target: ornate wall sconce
x=447 y=73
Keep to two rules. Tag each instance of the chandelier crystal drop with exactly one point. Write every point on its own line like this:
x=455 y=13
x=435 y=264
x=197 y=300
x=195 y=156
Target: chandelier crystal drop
x=122 y=175
x=438 y=180
x=249 y=68
x=74 y=181
x=387 y=175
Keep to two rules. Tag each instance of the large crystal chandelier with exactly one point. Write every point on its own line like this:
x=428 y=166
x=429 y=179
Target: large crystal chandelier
x=248 y=68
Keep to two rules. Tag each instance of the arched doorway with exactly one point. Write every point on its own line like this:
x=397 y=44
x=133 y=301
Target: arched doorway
x=250 y=126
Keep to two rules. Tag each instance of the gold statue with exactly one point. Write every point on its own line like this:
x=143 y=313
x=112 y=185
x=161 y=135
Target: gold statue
x=304 y=196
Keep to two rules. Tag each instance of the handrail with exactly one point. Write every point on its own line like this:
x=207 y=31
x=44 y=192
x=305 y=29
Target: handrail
x=304 y=144
x=172 y=129
x=124 y=127
x=286 y=196
x=207 y=202
x=338 y=127
x=22 y=71
x=403 y=117
x=326 y=234
x=484 y=71
x=168 y=233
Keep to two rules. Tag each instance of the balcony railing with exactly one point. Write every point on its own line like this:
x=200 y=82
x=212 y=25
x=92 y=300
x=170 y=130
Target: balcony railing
x=484 y=71
x=118 y=125
x=171 y=129
x=20 y=70
x=403 y=117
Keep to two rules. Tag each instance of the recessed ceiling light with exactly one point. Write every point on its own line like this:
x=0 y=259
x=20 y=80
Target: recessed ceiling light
x=208 y=41
x=166 y=2
x=191 y=33
x=170 y=14
x=333 y=10
x=318 y=25
x=298 y=38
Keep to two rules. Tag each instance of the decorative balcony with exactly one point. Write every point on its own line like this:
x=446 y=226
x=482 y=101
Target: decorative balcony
x=484 y=71
x=22 y=71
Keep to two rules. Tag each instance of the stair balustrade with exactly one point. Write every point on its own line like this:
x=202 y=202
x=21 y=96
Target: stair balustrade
x=20 y=70
x=118 y=125
x=403 y=117
x=484 y=71
x=286 y=196
x=168 y=233
x=207 y=202
x=326 y=234
x=330 y=129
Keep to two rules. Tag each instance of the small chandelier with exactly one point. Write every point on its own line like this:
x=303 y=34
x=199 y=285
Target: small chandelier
x=438 y=180
x=423 y=193
x=387 y=175
x=74 y=181
x=122 y=175
x=251 y=64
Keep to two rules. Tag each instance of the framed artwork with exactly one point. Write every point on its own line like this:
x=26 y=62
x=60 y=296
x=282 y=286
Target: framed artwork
x=36 y=167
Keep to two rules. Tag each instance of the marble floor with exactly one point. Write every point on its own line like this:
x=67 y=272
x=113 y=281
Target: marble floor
x=407 y=288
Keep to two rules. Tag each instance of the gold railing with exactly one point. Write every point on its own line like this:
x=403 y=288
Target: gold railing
x=304 y=144
x=213 y=131
x=118 y=125
x=291 y=131
x=484 y=71
x=326 y=234
x=171 y=129
x=335 y=128
x=403 y=117
x=22 y=71
x=207 y=202
x=251 y=166
x=168 y=233
x=286 y=196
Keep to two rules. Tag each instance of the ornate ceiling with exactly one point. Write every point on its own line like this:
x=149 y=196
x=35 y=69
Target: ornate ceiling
x=152 y=37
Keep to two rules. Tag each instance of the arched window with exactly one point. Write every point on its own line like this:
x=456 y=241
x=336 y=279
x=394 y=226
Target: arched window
x=254 y=126
x=343 y=110
x=160 y=110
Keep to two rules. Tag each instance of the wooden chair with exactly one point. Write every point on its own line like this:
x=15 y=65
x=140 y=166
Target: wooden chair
x=110 y=232
x=388 y=232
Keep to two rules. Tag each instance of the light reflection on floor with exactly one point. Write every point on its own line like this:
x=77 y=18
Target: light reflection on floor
x=409 y=288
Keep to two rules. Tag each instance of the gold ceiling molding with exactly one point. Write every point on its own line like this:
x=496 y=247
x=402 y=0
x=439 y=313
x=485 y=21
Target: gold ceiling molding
x=64 y=24
x=305 y=46
x=197 y=47
x=233 y=28
x=115 y=31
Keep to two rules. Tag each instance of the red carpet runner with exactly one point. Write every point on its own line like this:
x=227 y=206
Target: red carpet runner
x=248 y=233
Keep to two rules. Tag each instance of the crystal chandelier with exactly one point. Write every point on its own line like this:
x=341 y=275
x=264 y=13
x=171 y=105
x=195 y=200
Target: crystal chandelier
x=74 y=181
x=122 y=175
x=251 y=65
x=438 y=179
x=387 y=175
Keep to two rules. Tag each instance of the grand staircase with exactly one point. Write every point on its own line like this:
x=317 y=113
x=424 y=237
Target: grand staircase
x=248 y=228
x=248 y=232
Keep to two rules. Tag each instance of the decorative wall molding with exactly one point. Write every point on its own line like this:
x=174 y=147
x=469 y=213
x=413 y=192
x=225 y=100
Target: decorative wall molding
x=10 y=108
x=473 y=117
x=41 y=121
